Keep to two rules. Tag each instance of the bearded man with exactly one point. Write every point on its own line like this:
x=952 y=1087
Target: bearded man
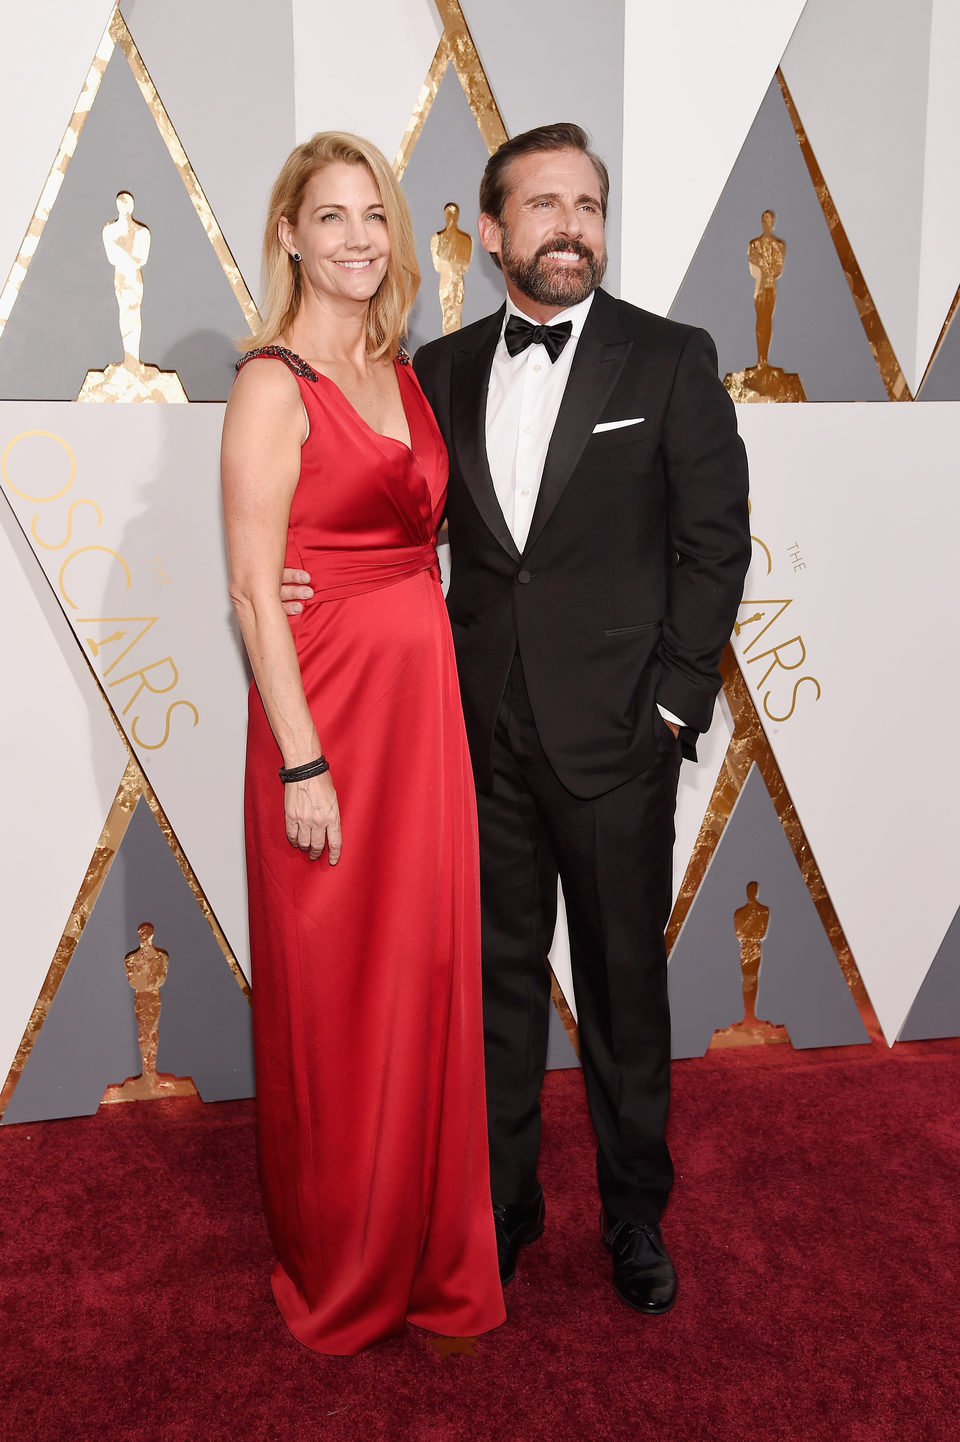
x=599 y=541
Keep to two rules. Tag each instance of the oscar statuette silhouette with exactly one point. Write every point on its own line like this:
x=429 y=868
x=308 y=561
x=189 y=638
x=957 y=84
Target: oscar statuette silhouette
x=146 y=970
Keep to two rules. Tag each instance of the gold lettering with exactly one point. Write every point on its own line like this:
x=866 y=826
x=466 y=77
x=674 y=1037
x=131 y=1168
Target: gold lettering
x=766 y=551
x=96 y=644
x=59 y=545
x=72 y=557
x=775 y=653
x=793 y=701
x=155 y=745
x=26 y=495
x=759 y=615
x=144 y=683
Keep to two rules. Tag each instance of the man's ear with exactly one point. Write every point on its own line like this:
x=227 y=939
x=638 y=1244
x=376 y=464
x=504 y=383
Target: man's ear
x=490 y=235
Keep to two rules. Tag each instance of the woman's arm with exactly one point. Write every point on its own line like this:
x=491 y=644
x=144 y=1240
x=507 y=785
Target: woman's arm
x=259 y=467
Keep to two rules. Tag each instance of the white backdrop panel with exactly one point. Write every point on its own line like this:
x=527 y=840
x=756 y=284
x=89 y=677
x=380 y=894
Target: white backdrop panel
x=859 y=74
x=61 y=761
x=940 y=239
x=48 y=48
x=694 y=77
x=859 y=518
x=145 y=589
x=360 y=67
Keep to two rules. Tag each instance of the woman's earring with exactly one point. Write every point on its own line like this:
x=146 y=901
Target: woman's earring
x=297 y=256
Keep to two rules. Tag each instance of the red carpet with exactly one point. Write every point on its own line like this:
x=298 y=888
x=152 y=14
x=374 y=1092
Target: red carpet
x=814 y=1226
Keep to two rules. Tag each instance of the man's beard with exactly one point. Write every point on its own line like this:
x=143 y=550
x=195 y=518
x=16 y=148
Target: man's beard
x=556 y=285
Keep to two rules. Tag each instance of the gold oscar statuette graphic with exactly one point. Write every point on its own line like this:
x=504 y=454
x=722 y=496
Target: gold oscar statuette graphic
x=766 y=254
x=750 y=922
x=146 y=972
x=451 y=249
x=127 y=244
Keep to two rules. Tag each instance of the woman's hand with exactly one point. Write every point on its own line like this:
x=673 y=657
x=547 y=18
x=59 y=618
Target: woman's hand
x=313 y=817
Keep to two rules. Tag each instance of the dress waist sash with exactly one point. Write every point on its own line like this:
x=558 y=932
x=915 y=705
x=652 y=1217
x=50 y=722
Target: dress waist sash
x=336 y=574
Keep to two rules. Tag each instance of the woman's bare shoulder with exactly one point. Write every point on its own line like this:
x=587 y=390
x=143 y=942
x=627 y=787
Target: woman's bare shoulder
x=263 y=389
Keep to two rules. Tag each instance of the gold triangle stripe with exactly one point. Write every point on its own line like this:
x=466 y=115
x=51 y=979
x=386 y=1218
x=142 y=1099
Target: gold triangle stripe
x=117 y=34
x=428 y=94
x=954 y=306
x=891 y=372
x=472 y=75
x=456 y=46
x=749 y=745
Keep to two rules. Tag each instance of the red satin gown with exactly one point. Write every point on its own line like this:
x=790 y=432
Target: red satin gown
x=366 y=976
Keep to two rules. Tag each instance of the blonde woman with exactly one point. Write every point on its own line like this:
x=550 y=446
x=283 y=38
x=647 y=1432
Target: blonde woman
x=361 y=853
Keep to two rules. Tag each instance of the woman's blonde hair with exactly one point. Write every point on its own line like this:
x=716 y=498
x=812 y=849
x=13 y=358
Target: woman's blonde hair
x=391 y=305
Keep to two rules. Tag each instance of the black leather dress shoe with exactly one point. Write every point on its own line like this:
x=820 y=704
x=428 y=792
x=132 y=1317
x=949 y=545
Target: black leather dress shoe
x=643 y=1274
x=516 y=1225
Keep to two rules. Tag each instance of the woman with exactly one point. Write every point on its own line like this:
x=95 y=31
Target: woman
x=365 y=945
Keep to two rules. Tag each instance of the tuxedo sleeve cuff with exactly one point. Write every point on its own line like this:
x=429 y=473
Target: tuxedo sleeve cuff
x=669 y=716
x=688 y=743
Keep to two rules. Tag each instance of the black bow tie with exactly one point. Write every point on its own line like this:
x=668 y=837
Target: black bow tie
x=520 y=333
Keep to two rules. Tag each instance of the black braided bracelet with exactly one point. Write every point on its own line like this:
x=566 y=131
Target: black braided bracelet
x=303 y=773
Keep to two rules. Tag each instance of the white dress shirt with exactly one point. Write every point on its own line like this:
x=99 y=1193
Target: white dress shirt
x=523 y=401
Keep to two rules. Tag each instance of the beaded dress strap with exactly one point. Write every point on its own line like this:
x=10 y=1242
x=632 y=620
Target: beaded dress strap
x=298 y=366
x=280 y=352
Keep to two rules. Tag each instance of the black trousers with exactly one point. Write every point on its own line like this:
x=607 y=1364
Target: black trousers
x=613 y=855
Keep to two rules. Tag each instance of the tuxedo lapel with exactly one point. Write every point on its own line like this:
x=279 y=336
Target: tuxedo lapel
x=468 y=401
x=599 y=358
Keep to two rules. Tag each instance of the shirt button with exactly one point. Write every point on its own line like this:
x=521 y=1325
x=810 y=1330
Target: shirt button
x=538 y=366
x=524 y=577
x=527 y=429
x=525 y=491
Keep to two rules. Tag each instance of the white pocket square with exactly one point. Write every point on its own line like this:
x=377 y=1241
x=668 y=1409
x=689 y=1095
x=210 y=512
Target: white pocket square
x=616 y=425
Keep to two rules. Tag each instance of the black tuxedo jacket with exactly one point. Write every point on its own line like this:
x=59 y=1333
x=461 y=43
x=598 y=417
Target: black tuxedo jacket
x=628 y=584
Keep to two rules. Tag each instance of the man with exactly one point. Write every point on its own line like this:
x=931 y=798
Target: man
x=599 y=540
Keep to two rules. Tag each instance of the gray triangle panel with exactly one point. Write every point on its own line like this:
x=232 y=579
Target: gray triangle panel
x=936 y=1010
x=703 y=977
x=560 y=1052
x=89 y=1038
x=446 y=165
x=801 y=985
x=817 y=332
x=943 y=381
x=64 y=321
